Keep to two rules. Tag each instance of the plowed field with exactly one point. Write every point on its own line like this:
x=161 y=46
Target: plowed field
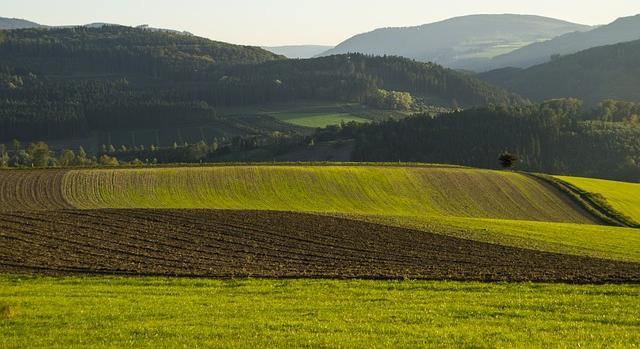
x=32 y=190
x=208 y=243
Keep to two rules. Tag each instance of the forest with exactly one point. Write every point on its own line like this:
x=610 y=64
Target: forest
x=556 y=136
x=69 y=82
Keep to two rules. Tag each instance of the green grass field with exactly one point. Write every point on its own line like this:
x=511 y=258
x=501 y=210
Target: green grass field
x=170 y=313
x=568 y=238
x=317 y=120
x=622 y=196
x=411 y=191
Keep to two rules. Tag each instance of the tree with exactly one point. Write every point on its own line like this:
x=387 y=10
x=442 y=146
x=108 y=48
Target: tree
x=81 y=158
x=4 y=156
x=15 y=144
x=508 y=160
x=39 y=153
x=106 y=160
x=67 y=158
x=392 y=100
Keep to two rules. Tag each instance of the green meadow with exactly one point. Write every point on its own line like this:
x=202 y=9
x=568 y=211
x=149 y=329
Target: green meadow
x=622 y=196
x=317 y=120
x=169 y=313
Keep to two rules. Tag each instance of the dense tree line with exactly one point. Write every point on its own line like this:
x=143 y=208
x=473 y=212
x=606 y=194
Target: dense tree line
x=554 y=136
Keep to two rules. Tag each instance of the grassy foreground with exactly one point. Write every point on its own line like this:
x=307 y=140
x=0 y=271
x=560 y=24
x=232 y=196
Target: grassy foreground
x=153 y=312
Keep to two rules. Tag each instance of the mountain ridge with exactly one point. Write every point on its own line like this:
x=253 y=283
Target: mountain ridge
x=621 y=30
x=595 y=74
x=460 y=41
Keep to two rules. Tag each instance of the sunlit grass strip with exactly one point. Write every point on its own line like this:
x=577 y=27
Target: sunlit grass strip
x=567 y=238
x=170 y=313
x=415 y=191
x=622 y=197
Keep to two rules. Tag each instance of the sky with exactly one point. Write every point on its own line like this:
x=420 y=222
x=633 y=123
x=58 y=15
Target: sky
x=285 y=22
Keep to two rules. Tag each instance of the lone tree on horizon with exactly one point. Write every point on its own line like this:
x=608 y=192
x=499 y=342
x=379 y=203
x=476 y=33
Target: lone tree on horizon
x=508 y=160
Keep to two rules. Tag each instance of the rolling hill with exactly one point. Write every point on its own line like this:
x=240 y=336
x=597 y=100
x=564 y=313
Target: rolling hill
x=416 y=191
x=622 y=30
x=486 y=206
x=606 y=72
x=461 y=42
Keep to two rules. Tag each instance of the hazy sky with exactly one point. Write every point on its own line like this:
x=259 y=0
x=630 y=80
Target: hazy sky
x=280 y=22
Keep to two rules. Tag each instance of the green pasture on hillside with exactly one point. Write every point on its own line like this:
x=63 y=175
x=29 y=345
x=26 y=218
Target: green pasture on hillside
x=598 y=241
x=622 y=196
x=170 y=313
x=419 y=191
x=318 y=120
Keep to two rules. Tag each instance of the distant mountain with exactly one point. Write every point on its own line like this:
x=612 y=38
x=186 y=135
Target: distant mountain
x=15 y=23
x=606 y=72
x=298 y=51
x=462 y=42
x=623 y=29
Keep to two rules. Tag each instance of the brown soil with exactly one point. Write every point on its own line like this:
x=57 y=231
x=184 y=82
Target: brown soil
x=222 y=244
x=27 y=190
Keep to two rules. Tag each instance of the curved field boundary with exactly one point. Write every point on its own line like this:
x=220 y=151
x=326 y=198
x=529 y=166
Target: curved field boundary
x=28 y=190
x=222 y=244
x=595 y=203
x=420 y=191
x=619 y=199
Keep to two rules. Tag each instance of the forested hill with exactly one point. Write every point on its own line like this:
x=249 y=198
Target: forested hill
x=120 y=50
x=66 y=83
x=606 y=72
x=556 y=136
x=352 y=77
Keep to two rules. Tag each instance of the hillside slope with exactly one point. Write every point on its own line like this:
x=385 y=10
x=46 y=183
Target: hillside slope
x=606 y=72
x=461 y=42
x=622 y=196
x=621 y=30
x=501 y=208
x=416 y=191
